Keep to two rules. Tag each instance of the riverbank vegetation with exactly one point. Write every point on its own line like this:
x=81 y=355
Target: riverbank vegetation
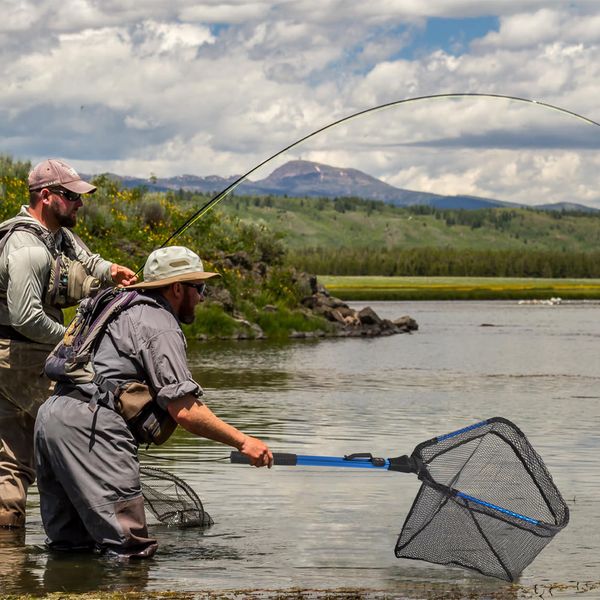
x=369 y=288
x=449 y=262
x=256 y=296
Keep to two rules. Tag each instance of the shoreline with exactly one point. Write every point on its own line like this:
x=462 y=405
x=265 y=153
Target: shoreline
x=409 y=591
x=373 y=288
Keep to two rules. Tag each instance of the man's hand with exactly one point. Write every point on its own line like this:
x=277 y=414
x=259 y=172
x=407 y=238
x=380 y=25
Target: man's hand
x=122 y=275
x=258 y=452
x=197 y=418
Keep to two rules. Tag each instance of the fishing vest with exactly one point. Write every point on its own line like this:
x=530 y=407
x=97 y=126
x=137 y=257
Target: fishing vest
x=68 y=282
x=71 y=364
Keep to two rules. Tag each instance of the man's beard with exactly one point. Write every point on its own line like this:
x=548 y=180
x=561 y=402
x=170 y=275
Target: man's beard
x=64 y=219
x=67 y=220
x=187 y=311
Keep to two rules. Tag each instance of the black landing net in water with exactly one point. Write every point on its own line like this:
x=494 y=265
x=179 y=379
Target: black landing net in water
x=171 y=500
x=487 y=501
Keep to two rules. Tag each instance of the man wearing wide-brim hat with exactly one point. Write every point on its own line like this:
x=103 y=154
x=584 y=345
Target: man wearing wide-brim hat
x=86 y=454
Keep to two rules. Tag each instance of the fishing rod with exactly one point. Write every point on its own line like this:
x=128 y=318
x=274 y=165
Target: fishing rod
x=223 y=193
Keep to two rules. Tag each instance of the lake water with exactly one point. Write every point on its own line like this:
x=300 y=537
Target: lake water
x=297 y=527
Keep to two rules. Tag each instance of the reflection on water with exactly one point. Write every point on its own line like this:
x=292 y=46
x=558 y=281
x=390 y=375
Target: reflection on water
x=324 y=528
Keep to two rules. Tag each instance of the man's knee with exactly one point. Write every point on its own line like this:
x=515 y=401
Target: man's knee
x=119 y=528
x=13 y=496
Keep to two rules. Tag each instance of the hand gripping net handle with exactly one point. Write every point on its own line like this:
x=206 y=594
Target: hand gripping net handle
x=279 y=458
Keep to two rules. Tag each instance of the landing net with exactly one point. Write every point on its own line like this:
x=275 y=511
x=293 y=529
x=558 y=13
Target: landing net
x=171 y=500
x=487 y=502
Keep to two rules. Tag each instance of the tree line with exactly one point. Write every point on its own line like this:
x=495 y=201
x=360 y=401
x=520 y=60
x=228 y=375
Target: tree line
x=448 y=262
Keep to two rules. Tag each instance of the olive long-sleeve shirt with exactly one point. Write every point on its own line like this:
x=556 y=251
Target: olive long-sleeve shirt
x=25 y=266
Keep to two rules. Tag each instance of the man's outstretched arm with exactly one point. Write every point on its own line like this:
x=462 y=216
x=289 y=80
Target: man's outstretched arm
x=198 y=419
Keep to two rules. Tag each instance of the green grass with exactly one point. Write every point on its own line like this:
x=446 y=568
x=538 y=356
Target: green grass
x=311 y=223
x=213 y=322
x=279 y=324
x=458 y=288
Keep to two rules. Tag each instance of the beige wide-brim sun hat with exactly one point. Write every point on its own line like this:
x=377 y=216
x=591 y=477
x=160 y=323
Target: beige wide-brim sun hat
x=171 y=265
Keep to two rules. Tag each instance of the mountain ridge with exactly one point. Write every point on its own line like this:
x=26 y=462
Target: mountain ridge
x=301 y=178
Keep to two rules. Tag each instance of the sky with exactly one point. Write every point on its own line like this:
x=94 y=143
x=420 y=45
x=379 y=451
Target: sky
x=172 y=87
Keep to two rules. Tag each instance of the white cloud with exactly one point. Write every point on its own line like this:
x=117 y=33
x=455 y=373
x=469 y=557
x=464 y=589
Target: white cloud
x=222 y=12
x=213 y=88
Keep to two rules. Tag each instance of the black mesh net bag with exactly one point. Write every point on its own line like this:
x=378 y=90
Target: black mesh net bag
x=487 y=501
x=171 y=500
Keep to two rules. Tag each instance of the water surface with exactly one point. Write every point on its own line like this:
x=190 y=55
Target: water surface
x=325 y=528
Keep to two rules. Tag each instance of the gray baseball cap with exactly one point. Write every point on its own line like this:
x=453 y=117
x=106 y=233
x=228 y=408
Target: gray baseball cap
x=170 y=265
x=54 y=173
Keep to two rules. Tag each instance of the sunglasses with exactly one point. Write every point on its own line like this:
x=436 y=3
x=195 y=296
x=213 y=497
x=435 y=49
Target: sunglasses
x=199 y=287
x=66 y=194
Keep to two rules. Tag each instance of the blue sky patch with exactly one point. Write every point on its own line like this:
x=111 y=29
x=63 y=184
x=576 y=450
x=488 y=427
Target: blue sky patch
x=453 y=36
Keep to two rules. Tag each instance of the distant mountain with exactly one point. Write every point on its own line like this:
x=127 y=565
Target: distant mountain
x=192 y=183
x=301 y=178
x=566 y=206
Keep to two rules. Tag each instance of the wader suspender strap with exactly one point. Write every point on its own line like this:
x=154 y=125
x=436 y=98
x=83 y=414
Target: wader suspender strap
x=6 y=331
x=98 y=326
x=103 y=386
x=41 y=232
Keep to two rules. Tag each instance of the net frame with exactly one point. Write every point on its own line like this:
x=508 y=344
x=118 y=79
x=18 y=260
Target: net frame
x=496 y=530
x=171 y=500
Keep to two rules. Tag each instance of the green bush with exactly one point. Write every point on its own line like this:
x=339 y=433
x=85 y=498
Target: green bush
x=212 y=321
x=279 y=323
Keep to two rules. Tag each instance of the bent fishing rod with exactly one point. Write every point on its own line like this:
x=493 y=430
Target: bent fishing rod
x=226 y=191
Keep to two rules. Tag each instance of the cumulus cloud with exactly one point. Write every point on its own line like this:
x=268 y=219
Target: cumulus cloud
x=175 y=87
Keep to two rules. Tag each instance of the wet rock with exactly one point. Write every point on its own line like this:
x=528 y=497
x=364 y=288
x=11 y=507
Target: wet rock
x=259 y=334
x=316 y=300
x=367 y=316
x=331 y=314
x=407 y=323
x=352 y=323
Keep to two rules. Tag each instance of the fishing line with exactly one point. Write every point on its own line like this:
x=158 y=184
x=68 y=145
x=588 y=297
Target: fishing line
x=223 y=193
x=172 y=458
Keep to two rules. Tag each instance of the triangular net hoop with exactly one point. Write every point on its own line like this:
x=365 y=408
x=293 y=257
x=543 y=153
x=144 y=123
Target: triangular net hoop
x=487 y=502
x=171 y=500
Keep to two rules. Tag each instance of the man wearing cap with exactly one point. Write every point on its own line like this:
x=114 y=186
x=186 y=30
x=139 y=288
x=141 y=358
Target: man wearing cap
x=86 y=455
x=44 y=267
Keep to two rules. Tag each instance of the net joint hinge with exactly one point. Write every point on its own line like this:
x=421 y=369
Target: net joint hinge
x=375 y=461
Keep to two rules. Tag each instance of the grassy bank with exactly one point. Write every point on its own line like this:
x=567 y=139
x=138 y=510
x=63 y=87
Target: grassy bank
x=459 y=288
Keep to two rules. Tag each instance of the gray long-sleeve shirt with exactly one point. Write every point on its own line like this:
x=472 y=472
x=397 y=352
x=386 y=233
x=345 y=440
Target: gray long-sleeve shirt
x=145 y=343
x=24 y=273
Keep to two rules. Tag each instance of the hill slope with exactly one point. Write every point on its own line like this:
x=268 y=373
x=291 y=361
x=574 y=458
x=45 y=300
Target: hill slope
x=308 y=223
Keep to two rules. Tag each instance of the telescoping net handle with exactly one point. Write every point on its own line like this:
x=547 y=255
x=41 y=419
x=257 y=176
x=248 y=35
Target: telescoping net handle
x=488 y=495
